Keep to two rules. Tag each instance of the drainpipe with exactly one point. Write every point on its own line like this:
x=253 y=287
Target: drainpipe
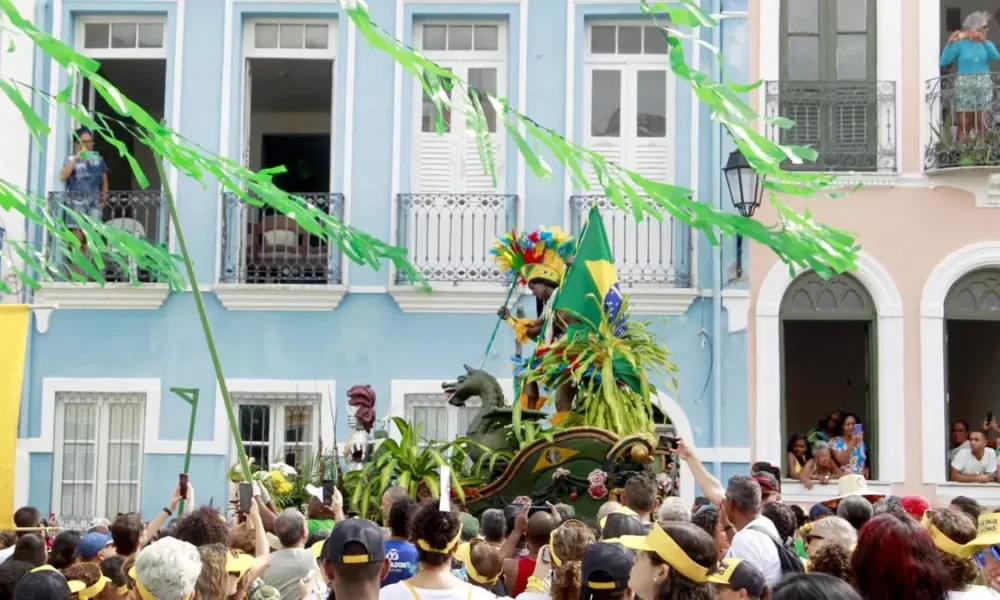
x=716 y=154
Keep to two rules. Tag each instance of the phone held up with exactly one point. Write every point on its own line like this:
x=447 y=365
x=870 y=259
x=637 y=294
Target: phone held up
x=859 y=429
x=546 y=555
x=182 y=486
x=246 y=496
x=329 y=487
x=989 y=417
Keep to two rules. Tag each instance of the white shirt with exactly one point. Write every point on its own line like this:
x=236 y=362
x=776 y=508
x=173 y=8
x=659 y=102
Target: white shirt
x=399 y=591
x=975 y=592
x=951 y=453
x=6 y=553
x=968 y=464
x=758 y=549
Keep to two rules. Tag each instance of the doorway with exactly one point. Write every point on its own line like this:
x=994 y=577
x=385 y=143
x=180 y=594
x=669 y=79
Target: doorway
x=828 y=356
x=972 y=350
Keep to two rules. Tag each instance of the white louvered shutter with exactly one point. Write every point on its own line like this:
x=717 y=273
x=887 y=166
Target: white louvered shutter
x=604 y=116
x=435 y=160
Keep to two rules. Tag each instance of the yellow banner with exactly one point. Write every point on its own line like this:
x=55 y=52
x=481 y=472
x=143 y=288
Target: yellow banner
x=13 y=343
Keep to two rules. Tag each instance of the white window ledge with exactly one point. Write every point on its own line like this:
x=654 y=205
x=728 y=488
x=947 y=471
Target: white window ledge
x=660 y=299
x=112 y=296
x=792 y=490
x=987 y=494
x=981 y=182
x=290 y=297
x=448 y=298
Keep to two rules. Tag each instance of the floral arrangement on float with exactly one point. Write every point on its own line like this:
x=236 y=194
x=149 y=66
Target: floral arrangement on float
x=284 y=483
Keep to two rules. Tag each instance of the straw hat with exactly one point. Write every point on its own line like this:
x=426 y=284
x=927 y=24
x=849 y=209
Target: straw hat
x=851 y=485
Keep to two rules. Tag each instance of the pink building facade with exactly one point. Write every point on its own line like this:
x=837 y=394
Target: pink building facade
x=910 y=342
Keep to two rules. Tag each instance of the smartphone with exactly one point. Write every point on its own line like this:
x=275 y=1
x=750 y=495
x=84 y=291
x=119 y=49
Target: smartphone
x=666 y=442
x=246 y=496
x=546 y=555
x=182 y=485
x=859 y=429
x=537 y=509
x=89 y=155
x=989 y=417
x=329 y=487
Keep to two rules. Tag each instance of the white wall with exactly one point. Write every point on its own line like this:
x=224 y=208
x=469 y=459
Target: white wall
x=14 y=151
x=261 y=123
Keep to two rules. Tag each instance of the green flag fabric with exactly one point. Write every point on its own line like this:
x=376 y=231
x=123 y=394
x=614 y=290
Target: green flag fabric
x=590 y=288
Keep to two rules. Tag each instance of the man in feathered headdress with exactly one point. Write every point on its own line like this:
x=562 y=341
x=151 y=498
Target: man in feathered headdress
x=539 y=259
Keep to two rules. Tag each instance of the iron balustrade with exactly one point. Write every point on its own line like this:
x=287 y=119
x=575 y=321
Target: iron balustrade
x=964 y=121
x=262 y=246
x=142 y=213
x=449 y=236
x=850 y=124
x=646 y=252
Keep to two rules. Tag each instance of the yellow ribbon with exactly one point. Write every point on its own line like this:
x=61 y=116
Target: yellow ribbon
x=143 y=592
x=93 y=590
x=426 y=547
x=123 y=590
x=660 y=542
x=944 y=543
x=474 y=575
x=552 y=539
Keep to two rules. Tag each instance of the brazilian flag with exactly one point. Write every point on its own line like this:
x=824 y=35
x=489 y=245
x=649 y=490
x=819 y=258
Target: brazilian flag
x=589 y=293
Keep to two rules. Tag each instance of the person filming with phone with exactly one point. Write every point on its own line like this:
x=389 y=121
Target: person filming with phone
x=849 y=448
x=86 y=177
x=975 y=464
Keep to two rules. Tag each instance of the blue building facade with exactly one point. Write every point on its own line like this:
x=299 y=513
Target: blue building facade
x=293 y=83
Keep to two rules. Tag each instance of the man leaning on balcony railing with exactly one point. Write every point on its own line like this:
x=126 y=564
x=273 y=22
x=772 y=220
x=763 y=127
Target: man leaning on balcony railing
x=972 y=53
x=86 y=177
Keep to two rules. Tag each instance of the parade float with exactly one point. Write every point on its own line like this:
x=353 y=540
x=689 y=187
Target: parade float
x=583 y=420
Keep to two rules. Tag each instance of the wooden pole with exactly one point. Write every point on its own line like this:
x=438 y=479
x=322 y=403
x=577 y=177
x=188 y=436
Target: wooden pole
x=189 y=395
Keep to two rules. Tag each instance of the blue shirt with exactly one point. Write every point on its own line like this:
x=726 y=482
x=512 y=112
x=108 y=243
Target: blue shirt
x=87 y=175
x=402 y=557
x=971 y=56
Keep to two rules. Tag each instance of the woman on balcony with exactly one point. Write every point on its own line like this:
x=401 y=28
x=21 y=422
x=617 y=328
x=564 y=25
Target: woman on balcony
x=972 y=54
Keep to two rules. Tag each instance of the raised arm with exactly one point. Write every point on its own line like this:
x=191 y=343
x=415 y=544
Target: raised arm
x=709 y=485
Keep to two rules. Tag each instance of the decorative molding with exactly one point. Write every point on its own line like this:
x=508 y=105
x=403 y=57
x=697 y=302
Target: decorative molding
x=981 y=182
x=113 y=296
x=792 y=490
x=290 y=297
x=367 y=289
x=463 y=298
x=933 y=415
x=987 y=494
x=889 y=306
x=42 y=318
x=884 y=180
x=737 y=305
x=660 y=300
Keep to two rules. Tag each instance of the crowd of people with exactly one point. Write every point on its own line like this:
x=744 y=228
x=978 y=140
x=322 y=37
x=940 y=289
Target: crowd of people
x=972 y=456
x=738 y=541
x=834 y=448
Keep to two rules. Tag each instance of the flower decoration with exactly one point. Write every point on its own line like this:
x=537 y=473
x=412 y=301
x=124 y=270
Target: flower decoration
x=598 y=491
x=279 y=483
x=597 y=478
x=665 y=483
x=284 y=469
x=560 y=473
x=523 y=500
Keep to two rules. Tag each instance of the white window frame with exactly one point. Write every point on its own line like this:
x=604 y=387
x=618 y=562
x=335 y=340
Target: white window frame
x=102 y=439
x=629 y=65
x=323 y=417
x=129 y=53
x=400 y=403
x=250 y=50
x=462 y=61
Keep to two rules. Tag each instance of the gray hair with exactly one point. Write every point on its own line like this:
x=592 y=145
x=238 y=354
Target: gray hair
x=169 y=569
x=607 y=508
x=565 y=511
x=290 y=527
x=856 y=510
x=976 y=20
x=674 y=509
x=820 y=446
x=744 y=492
x=493 y=525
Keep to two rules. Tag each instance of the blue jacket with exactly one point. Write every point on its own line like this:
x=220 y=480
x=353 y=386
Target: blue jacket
x=972 y=57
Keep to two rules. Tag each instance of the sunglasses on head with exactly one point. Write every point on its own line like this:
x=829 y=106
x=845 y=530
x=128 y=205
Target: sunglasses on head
x=981 y=556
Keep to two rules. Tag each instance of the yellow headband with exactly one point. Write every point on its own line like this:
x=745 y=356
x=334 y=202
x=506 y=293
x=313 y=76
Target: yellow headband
x=944 y=543
x=93 y=590
x=552 y=539
x=447 y=549
x=664 y=546
x=470 y=570
x=123 y=590
x=143 y=591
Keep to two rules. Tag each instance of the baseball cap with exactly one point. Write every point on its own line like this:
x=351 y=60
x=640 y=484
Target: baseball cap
x=605 y=567
x=45 y=583
x=768 y=483
x=818 y=511
x=470 y=526
x=92 y=543
x=738 y=574
x=356 y=531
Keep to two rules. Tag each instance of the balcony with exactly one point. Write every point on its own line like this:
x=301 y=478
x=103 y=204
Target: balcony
x=141 y=213
x=268 y=262
x=850 y=124
x=964 y=122
x=653 y=258
x=449 y=238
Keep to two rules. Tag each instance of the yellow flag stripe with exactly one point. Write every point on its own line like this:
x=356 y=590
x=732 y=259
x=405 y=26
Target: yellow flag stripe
x=13 y=345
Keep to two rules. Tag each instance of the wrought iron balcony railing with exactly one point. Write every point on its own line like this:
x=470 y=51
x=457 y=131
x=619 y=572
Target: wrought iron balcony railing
x=964 y=121
x=647 y=251
x=850 y=124
x=449 y=236
x=143 y=213
x=263 y=246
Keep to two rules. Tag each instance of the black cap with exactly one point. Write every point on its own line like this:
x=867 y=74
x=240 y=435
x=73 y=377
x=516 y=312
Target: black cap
x=42 y=584
x=619 y=524
x=739 y=575
x=606 y=567
x=356 y=531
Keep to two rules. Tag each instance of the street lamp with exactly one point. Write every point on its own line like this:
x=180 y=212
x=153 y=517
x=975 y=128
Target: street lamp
x=746 y=189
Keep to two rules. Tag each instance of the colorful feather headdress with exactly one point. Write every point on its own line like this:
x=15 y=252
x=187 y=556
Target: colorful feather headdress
x=540 y=254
